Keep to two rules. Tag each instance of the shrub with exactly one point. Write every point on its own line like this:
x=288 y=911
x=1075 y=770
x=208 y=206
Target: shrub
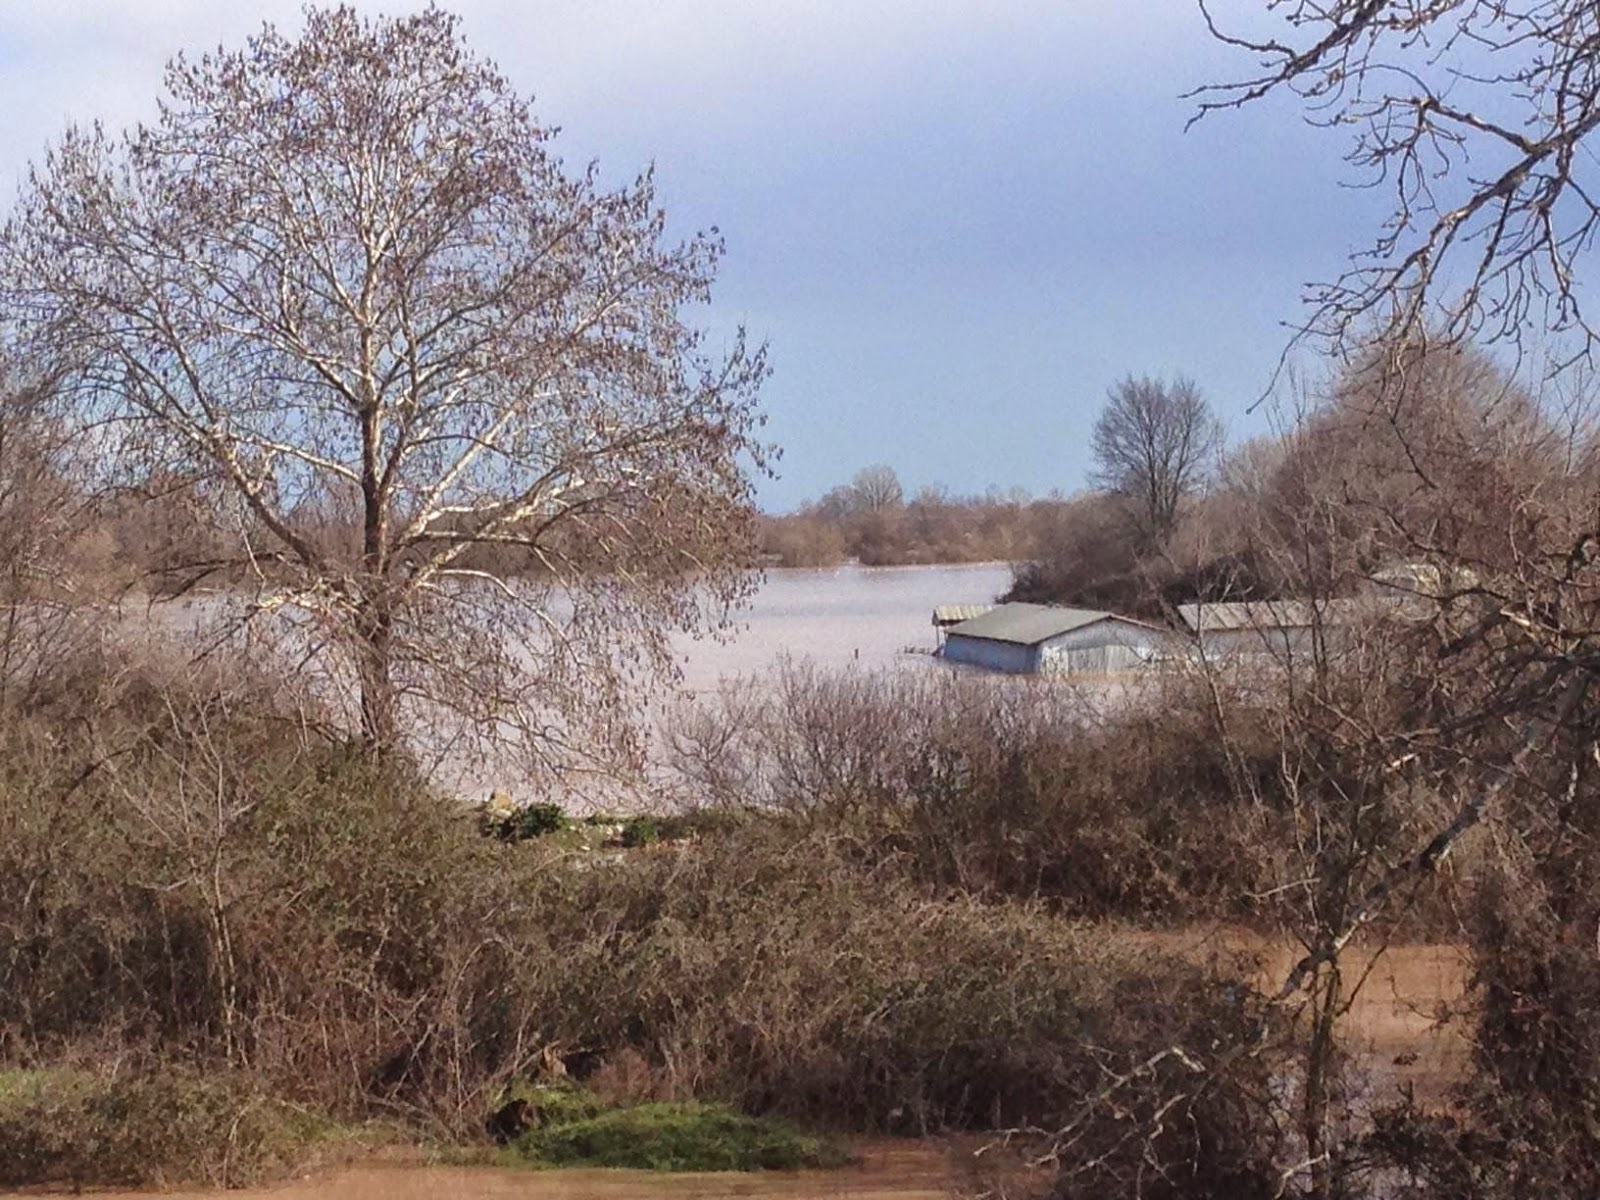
x=144 y=1129
x=775 y=972
x=1007 y=789
x=639 y=831
x=526 y=822
x=675 y=1137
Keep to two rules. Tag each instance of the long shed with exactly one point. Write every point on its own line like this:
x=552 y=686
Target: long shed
x=1275 y=627
x=1293 y=627
x=1042 y=639
x=1289 y=628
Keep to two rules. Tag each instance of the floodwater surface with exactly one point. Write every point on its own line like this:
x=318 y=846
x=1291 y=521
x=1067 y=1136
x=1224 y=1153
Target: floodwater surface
x=1408 y=1027
x=919 y=1171
x=834 y=617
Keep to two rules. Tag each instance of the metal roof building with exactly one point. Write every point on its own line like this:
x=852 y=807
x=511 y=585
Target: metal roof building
x=947 y=615
x=1283 y=626
x=1043 y=639
x=1252 y=614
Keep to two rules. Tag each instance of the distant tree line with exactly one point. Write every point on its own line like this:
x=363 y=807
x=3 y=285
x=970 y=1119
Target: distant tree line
x=1182 y=517
x=871 y=521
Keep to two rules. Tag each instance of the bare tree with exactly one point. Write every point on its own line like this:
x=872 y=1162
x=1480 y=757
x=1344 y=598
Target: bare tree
x=1476 y=115
x=876 y=488
x=45 y=527
x=1152 y=445
x=345 y=276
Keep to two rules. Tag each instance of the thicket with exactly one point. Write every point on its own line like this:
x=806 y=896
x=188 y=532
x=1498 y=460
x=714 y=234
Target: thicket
x=198 y=884
x=1525 y=1122
x=1172 y=798
x=872 y=522
x=1014 y=792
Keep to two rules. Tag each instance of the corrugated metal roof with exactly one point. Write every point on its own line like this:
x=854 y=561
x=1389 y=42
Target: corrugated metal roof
x=1425 y=579
x=954 y=614
x=1265 y=614
x=1029 y=624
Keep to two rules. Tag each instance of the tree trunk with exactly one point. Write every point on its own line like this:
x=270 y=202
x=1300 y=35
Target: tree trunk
x=375 y=620
x=375 y=669
x=1321 y=1073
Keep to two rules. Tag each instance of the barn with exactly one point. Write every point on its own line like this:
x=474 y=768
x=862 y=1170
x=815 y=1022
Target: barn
x=1041 y=639
x=1275 y=627
x=1287 y=628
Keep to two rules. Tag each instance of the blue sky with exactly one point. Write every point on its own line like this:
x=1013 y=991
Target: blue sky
x=955 y=223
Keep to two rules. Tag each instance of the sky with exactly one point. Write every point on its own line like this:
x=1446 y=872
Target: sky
x=955 y=224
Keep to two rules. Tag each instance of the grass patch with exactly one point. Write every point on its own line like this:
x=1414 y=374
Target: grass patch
x=672 y=1137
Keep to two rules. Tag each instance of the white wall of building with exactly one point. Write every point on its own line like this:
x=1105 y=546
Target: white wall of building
x=1104 y=647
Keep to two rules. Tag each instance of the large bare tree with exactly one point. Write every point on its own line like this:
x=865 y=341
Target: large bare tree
x=1477 y=115
x=877 y=488
x=1153 y=444
x=446 y=394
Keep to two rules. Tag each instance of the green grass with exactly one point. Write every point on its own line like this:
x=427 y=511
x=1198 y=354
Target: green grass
x=672 y=1137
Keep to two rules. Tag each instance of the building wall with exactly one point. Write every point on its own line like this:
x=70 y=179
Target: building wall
x=1279 y=643
x=1102 y=648
x=995 y=656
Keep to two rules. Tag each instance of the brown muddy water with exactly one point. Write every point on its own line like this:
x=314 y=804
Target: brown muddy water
x=915 y=1171
x=1407 y=1026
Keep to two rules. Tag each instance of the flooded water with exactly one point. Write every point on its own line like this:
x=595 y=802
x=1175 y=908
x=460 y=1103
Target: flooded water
x=925 y=1171
x=839 y=617
x=1408 y=1027
x=832 y=618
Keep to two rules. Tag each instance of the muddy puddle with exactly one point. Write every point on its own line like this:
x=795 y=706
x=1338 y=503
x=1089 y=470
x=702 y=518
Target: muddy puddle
x=1408 y=1028
x=921 y=1171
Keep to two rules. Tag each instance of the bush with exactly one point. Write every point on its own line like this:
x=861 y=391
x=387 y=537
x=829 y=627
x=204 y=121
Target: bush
x=224 y=887
x=935 y=1014
x=639 y=831
x=144 y=1129
x=1007 y=789
x=675 y=1137
x=525 y=822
